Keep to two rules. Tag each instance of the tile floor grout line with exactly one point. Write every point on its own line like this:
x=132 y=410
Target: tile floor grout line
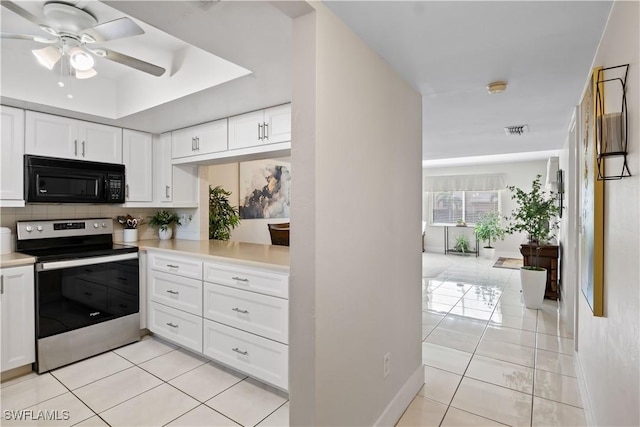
x=193 y=409
x=272 y=412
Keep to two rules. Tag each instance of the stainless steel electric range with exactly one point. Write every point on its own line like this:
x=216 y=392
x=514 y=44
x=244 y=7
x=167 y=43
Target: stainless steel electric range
x=87 y=289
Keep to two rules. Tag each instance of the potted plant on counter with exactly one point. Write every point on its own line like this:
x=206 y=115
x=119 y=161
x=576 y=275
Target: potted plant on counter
x=164 y=221
x=222 y=216
x=488 y=227
x=535 y=214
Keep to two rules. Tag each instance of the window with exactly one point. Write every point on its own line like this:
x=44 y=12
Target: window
x=448 y=207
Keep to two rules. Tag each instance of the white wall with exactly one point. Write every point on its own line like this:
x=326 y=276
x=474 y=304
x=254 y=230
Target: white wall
x=249 y=230
x=609 y=346
x=520 y=174
x=356 y=265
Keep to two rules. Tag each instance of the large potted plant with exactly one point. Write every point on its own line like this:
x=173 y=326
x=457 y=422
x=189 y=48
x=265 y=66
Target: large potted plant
x=164 y=221
x=489 y=227
x=222 y=216
x=535 y=214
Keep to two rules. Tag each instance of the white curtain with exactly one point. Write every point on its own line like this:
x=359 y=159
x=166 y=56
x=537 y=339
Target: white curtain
x=483 y=182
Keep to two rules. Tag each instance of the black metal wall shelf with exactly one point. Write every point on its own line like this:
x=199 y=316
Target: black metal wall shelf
x=611 y=129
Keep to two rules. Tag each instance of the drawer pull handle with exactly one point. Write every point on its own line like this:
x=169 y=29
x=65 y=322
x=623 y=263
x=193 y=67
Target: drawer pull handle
x=172 y=325
x=173 y=266
x=240 y=279
x=173 y=292
x=237 y=350
x=240 y=311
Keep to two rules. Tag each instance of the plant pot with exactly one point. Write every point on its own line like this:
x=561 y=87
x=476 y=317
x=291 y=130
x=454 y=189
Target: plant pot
x=130 y=235
x=489 y=253
x=533 y=284
x=165 y=234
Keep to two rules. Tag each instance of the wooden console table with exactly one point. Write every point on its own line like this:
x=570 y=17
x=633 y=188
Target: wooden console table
x=547 y=258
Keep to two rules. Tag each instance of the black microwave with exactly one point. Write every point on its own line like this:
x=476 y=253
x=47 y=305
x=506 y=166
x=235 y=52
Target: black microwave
x=52 y=180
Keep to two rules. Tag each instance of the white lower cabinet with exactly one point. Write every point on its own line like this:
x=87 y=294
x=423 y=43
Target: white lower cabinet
x=259 y=357
x=17 y=337
x=235 y=315
x=183 y=328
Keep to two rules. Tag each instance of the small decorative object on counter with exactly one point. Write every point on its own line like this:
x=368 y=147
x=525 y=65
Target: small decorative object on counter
x=164 y=220
x=130 y=224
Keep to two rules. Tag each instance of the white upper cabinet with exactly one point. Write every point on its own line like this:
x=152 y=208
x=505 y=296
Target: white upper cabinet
x=163 y=182
x=11 y=157
x=138 y=161
x=269 y=126
x=197 y=140
x=55 y=136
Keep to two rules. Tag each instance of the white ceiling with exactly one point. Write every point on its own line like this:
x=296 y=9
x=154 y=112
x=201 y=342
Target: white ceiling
x=447 y=50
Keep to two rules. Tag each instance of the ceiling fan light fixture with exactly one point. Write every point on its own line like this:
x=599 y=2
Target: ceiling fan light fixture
x=47 y=56
x=80 y=60
x=497 y=87
x=86 y=74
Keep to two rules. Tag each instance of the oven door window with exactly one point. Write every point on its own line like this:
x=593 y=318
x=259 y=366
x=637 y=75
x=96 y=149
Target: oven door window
x=72 y=298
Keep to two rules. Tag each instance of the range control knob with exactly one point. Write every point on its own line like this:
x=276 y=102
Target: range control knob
x=104 y=225
x=39 y=228
x=95 y=225
x=28 y=228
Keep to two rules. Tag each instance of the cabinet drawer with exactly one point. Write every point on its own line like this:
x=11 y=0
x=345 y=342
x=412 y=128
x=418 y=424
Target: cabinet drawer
x=176 y=265
x=256 y=313
x=248 y=279
x=176 y=291
x=182 y=328
x=259 y=357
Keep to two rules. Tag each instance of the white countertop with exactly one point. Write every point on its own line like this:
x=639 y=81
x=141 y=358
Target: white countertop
x=249 y=254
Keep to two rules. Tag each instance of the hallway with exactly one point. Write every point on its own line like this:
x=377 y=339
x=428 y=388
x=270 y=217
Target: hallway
x=488 y=360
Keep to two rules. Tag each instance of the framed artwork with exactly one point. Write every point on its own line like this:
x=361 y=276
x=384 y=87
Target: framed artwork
x=265 y=189
x=591 y=238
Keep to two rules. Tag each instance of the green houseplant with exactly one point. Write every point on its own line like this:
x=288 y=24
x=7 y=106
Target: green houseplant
x=163 y=220
x=222 y=216
x=489 y=227
x=535 y=214
x=462 y=244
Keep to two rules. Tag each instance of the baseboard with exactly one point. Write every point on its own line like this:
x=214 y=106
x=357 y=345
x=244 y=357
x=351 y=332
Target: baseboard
x=584 y=392
x=11 y=374
x=402 y=399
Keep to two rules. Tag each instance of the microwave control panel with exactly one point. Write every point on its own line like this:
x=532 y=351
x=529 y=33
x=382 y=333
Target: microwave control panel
x=115 y=188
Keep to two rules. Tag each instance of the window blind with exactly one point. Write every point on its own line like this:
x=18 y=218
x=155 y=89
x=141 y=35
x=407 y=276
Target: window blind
x=481 y=182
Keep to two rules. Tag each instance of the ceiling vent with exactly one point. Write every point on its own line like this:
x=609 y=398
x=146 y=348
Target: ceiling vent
x=516 y=130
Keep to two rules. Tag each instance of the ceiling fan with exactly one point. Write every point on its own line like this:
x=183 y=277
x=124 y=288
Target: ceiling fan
x=71 y=33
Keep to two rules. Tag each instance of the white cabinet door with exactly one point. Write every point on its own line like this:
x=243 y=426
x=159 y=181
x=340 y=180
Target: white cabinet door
x=99 y=143
x=53 y=136
x=176 y=291
x=17 y=310
x=175 y=325
x=162 y=169
x=277 y=124
x=202 y=139
x=11 y=156
x=138 y=161
x=246 y=130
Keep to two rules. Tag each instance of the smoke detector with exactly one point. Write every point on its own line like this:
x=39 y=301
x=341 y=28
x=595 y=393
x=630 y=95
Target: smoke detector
x=516 y=130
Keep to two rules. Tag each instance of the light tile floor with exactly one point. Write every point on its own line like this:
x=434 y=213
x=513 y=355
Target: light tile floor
x=148 y=383
x=488 y=360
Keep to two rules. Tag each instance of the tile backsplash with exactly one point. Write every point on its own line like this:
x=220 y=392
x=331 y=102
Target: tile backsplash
x=9 y=216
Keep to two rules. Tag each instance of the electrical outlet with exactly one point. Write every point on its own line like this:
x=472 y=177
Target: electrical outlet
x=386 y=364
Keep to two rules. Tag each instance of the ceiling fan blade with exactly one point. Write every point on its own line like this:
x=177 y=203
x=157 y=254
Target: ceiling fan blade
x=28 y=37
x=130 y=61
x=112 y=30
x=20 y=11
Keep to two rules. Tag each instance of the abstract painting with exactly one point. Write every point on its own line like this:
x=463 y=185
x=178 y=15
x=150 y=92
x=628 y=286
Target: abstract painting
x=592 y=203
x=265 y=189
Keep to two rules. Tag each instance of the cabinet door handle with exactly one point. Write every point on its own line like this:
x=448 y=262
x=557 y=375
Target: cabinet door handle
x=197 y=143
x=260 y=132
x=266 y=131
x=75 y=147
x=237 y=350
x=172 y=266
x=240 y=279
x=166 y=191
x=172 y=325
x=126 y=191
x=172 y=292
x=82 y=148
x=193 y=143
x=1 y=284
x=240 y=310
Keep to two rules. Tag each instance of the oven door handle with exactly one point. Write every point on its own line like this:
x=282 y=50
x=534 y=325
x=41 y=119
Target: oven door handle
x=57 y=265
